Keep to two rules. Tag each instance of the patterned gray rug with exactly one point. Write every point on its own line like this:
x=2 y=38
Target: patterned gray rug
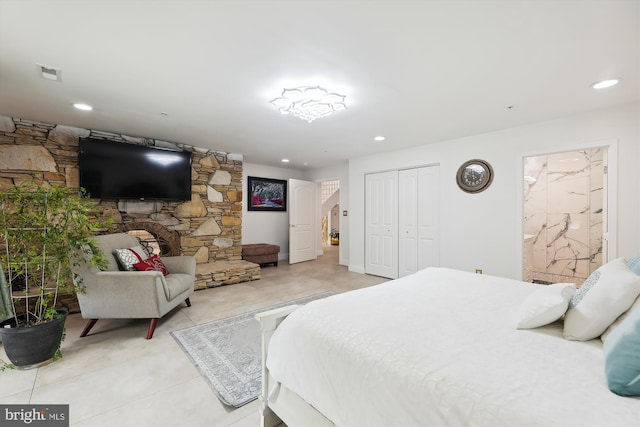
x=227 y=353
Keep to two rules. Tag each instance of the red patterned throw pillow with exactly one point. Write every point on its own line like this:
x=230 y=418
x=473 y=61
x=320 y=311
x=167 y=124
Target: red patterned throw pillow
x=153 y=263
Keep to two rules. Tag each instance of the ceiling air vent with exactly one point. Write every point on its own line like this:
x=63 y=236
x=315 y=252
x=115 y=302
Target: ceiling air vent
x=49 y=73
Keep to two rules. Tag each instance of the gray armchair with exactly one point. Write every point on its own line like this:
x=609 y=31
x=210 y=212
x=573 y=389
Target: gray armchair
x=116 y=294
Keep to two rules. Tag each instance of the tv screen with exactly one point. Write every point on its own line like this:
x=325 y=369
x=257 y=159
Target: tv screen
x=116 y=170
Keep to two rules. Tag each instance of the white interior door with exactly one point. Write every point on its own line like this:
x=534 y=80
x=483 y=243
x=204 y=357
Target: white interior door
x=605 y=205
x=418 y=219
x=407 y=222
x=302 y=232
x=381 y=224
x=428 y=217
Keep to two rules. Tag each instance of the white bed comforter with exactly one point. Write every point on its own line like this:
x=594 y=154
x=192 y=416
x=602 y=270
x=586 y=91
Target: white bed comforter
x=440 y=348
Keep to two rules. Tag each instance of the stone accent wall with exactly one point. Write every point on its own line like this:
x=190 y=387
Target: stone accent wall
x=209 y=225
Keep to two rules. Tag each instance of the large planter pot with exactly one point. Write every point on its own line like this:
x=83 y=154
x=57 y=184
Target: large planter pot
x=32 y=346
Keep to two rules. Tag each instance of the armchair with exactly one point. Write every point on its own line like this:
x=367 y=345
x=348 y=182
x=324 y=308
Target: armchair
x=116 y=294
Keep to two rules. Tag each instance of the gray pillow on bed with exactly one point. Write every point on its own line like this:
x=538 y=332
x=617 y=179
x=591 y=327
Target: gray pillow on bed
x=621 y=360
x=634 y=264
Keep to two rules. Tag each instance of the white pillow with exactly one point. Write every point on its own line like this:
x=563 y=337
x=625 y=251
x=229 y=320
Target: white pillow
x=127 y=257
x=606 y=294
x=544 y=305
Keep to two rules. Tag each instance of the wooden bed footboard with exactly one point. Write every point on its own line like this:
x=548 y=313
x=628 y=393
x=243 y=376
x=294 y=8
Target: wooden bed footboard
x=269 y=321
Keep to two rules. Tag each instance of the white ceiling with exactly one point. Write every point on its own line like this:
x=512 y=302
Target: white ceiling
x=415 y=71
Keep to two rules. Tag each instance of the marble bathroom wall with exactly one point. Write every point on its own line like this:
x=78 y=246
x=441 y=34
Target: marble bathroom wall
x=563 y=212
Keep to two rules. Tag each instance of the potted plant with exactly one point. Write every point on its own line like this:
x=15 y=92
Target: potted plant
x=335 y=237
x=43 y=230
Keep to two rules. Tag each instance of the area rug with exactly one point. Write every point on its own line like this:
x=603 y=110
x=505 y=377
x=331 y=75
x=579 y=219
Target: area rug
x=227 y=353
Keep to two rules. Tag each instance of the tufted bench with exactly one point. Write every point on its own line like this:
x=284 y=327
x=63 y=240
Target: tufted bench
x=261 y=253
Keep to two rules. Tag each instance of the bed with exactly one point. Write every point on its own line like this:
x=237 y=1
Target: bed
x=439 y=347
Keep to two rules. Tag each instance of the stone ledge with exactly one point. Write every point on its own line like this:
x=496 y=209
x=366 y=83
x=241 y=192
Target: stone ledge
x=219 y=273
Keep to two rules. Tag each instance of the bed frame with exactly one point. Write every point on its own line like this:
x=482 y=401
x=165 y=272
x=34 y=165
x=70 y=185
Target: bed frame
x=277 y=403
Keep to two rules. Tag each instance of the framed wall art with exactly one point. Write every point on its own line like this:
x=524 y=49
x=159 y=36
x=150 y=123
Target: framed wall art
x=265 y=194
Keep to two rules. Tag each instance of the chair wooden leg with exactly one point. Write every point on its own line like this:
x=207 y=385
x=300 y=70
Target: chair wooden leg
x=152 y=327
x=88 y=327
x=188 y=302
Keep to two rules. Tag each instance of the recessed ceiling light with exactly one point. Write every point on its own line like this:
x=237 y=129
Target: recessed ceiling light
x=84 y=107
x=285 y=160
x=603 y=84
x=379 y=138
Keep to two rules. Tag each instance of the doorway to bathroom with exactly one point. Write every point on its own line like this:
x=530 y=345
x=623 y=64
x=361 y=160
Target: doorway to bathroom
x=565 y=218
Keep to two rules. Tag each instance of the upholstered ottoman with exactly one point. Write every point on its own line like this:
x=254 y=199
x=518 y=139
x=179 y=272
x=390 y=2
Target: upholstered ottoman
x=261 y=253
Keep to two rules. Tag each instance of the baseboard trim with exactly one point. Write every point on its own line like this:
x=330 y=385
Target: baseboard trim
x=356 y=269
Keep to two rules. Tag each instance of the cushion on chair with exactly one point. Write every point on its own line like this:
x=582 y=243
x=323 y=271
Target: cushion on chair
x=108 y=243
x=177 y=283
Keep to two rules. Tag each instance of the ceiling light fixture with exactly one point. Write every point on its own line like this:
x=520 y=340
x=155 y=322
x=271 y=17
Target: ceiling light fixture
x=49 y=73
x=285 y=160
x=84 y=107
x=603 y=84
x=309 y=102
x=379 y=138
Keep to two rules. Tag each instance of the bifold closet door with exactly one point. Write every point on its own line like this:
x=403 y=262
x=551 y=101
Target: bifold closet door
x=428 y=217
x=381 y=224
x=407 y=222
x=418 y=206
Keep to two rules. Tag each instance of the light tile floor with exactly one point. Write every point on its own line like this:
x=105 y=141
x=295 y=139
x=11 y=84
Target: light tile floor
x=115 y=377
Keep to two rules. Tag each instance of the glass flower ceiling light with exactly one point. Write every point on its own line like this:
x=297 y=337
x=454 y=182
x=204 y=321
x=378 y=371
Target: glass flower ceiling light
x=309 y=102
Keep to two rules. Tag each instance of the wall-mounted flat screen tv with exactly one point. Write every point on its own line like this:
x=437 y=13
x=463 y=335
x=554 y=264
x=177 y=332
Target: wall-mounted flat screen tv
x=117 y=170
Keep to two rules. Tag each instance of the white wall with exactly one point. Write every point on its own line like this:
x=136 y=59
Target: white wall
x=341 y=172
x=266 y=227
x=484 y=230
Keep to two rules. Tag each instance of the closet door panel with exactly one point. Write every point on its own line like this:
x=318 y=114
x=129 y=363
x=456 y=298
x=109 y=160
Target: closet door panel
x=407 y=222
x=428 y=217
x=381 y=224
